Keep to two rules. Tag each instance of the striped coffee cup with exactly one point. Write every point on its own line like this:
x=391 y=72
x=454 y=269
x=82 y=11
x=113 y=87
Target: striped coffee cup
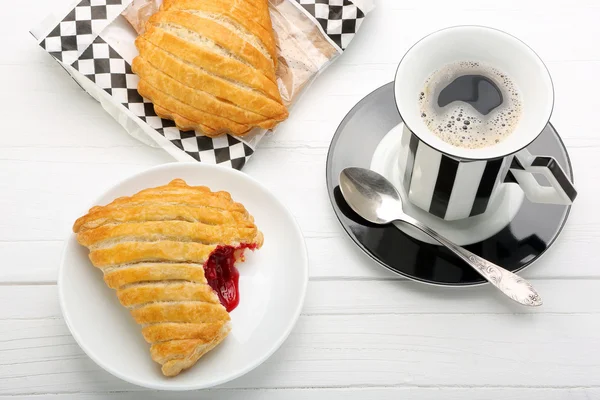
x=453 y=182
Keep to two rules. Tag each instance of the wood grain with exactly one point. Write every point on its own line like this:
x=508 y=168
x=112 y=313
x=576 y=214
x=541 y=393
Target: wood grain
x=350 y=393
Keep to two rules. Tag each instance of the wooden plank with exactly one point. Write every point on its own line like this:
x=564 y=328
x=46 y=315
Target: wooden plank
x=353 y=393
x=405 y=297
x=551 y=5
x=30 y=261
x=541 y=27
x=34 y=302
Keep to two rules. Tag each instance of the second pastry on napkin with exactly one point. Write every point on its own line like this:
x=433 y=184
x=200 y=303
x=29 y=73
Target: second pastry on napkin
x=210 y=66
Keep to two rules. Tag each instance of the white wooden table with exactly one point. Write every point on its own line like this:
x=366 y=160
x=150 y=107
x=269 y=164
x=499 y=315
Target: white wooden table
x=364 y=333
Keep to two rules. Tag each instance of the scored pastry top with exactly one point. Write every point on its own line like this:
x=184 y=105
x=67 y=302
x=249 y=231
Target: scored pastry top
x=209 y=65
x=155 y=223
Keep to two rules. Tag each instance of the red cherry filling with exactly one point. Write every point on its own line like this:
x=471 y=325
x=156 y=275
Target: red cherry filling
x=223 y=276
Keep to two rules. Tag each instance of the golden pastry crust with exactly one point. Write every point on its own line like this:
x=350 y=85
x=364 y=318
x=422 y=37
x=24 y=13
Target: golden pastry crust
x=176 y=355
x=150 y=272
x=210 y=65
x=153 y=231
x=136 y=252
x=182 y=311
x=192 y=86
x=175 y=201
x=160 y=291
x=214 y=63
x=152 y=248
x=164 y=332
x=253 y=16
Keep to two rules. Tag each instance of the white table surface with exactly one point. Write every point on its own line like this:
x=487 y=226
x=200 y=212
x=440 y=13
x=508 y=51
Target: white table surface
x=364 y=333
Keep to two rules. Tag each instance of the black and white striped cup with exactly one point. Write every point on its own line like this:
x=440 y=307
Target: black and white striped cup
x=454 y=182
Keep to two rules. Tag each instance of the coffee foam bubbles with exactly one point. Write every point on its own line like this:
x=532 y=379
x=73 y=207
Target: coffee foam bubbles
x=459 y=123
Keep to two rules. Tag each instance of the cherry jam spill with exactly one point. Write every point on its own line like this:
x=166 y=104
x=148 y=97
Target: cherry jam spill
x=223 y=276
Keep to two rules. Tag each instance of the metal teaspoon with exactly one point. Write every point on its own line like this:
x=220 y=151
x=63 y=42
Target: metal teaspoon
x=375 y=199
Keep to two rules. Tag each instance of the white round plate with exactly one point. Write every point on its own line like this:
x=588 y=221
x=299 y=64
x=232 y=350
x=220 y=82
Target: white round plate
x=272 y=287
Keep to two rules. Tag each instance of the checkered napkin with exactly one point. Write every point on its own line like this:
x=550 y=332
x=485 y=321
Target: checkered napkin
x=339 y=19
x=84 y=43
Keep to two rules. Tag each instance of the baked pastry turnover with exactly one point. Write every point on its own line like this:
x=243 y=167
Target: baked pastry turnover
x=170 y=252
x=209 y=65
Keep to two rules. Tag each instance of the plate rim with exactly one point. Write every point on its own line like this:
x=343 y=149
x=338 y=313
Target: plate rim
x=159 y=385
x=329 y=182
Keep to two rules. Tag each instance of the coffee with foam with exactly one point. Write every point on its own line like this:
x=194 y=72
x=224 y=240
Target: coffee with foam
x=470 y=105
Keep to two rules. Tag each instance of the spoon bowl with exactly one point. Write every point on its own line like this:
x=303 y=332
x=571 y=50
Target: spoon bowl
x=370 y=195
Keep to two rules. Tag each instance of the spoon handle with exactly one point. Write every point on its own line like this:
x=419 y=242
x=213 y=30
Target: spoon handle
x=510 y=284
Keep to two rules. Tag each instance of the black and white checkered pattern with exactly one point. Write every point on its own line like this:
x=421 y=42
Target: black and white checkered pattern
x=340 y=19
x=106 y=68
x=79 y=28
x=75 y=41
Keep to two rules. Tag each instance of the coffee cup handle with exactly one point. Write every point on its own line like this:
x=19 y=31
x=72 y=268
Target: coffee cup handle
x=522 y=169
